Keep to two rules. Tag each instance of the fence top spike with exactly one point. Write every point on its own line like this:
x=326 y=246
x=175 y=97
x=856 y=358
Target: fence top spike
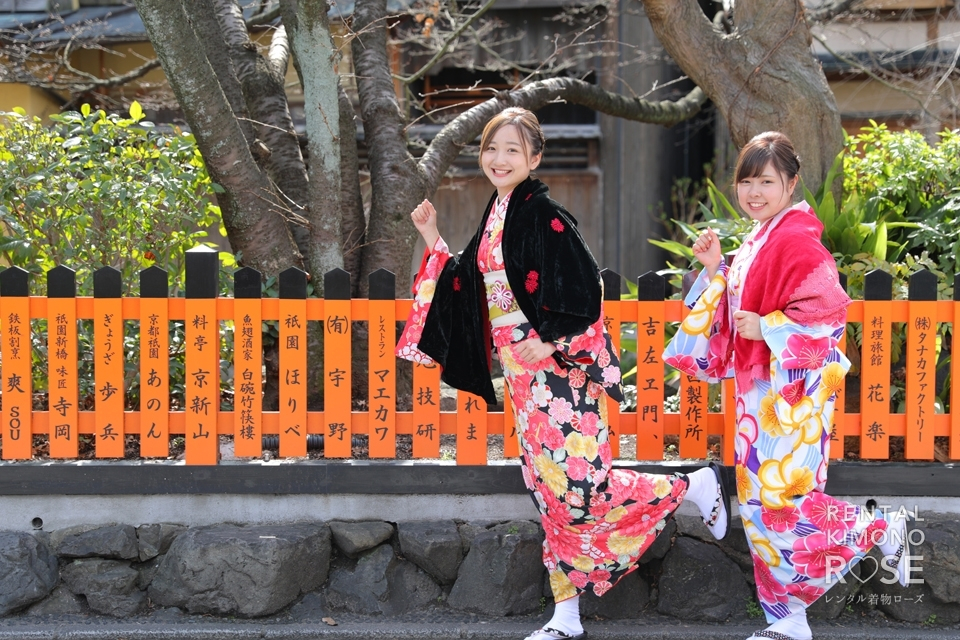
x=202 y=248
x=336 y=285
x=651 y=287
x=154 y=283
x=246 y=283
x=107 y=283
x=293 y=284
x=14 y=283
x=203 y=273
x=611 y=284
x=383 y=285
x=923 y=286
x=61 y=282
x=877 y=285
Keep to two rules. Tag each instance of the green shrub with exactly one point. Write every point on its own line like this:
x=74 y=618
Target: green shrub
x=95 y=190
x=908 y=190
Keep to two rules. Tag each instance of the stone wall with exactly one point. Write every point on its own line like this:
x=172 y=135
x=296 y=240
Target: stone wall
x=490 y=568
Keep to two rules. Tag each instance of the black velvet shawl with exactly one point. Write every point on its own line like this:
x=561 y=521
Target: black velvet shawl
x=554 y=277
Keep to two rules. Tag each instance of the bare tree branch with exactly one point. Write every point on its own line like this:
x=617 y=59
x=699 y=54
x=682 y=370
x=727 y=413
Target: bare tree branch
x=446 y=146
x=870 y=73
x=279 y=54
x=91 y=83
x=454 y=36
x=829 y=10
x=264 y=18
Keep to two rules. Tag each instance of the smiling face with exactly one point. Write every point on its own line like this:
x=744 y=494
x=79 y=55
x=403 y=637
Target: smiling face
x=763 y=196
x=505 y=160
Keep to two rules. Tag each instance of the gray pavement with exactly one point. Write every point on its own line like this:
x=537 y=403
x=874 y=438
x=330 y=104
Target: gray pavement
x=305 y=621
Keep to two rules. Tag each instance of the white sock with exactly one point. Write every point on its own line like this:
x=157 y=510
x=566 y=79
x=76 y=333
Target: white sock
x=895 y=536
x=794 y=626
x=703 y=491
x=566 y=618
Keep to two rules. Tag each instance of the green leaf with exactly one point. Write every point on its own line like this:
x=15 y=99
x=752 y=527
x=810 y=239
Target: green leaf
x=880 y=248
x=85 y=109
x=673 y=247
x=136 y=111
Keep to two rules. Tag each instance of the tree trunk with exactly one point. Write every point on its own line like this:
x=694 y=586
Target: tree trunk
x=313 y=48
x=265 y=98
x=397 y=184
x=205 y=24
x=353 y=224
x=762 y=76
x=249 y=207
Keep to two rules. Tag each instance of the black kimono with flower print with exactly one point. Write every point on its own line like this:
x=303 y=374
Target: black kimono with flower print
x=551 y=271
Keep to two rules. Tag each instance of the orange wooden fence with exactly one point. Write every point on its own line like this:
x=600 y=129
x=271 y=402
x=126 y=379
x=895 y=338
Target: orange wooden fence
x=200 y=420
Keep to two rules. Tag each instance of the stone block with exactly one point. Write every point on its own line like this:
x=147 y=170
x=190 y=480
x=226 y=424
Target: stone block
x=625 y=600
x=110 y=586
x=60 y=601
x=502 y=575
x=661 y=545
x=380 y=582
x=936 y=591
x=117 y=541
x=470 y=530
x=699 y=582
x=155 y=539
x=434 y=546
x=245 y=571
x=28 y=570
x=353 y=538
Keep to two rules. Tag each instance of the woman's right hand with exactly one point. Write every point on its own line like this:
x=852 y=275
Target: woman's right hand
x=707 y=250
x=425 y=220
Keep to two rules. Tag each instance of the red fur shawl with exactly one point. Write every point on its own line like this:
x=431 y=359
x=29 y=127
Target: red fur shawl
x=792 y=272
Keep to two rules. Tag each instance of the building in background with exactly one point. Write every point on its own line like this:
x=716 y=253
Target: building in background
x=895 y=64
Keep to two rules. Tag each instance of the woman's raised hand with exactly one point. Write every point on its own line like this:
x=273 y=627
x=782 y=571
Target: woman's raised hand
x=707 y=250
x=425 y=220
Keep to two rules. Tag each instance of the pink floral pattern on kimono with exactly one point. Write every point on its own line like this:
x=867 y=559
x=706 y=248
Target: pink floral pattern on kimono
x=802 y=540
x=425 y=287
x=598 y=521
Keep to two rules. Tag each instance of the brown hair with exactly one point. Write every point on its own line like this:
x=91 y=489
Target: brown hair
x=770 y=146
x=531 y=135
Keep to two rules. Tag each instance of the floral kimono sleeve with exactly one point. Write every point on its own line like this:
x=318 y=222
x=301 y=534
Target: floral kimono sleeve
x=593 y=353
x=426 y=285
x=805 y=362
x=699 y=348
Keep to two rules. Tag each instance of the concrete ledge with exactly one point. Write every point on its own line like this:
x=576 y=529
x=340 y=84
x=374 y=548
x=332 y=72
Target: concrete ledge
x=397 y=478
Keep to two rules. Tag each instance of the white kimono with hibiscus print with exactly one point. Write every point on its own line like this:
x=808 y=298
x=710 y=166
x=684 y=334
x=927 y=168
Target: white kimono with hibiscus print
x=802 y=540
x=597 y=520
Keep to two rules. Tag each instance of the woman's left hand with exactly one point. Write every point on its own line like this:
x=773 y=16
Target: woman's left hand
x=533 y=350
x=747 y=325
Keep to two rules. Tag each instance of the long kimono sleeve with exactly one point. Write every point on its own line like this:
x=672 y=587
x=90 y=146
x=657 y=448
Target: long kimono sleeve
x=593 y=353
x=425 y=285
x=806 y=361
x=701 y=346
